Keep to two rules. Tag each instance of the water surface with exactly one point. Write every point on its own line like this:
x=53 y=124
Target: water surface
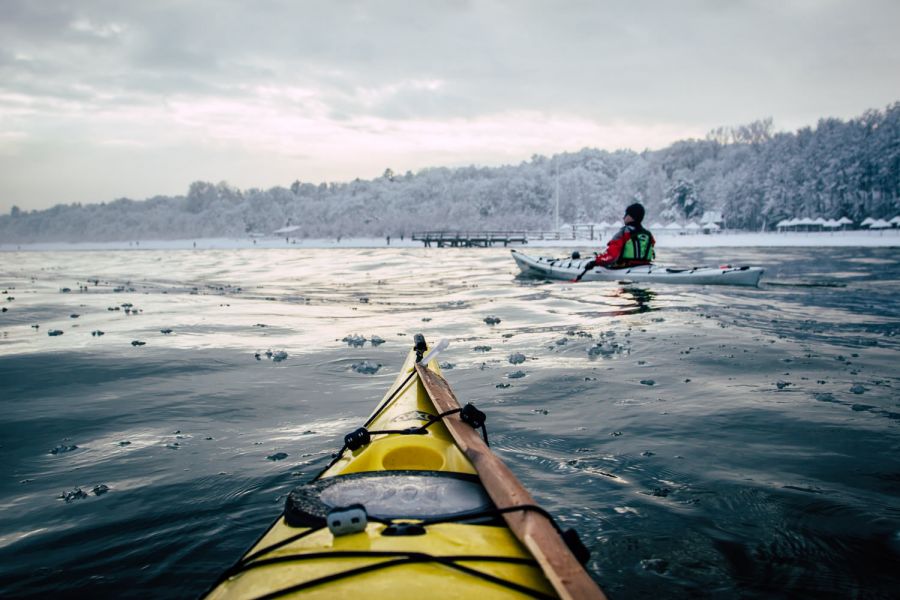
x=705 y=441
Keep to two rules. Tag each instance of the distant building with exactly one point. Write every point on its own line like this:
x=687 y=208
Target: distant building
x=712 y=216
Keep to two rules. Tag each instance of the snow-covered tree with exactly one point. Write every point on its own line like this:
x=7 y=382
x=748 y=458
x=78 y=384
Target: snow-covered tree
x=753 y=176
x=681 y=201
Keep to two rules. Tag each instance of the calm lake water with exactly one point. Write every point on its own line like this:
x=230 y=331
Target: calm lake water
x=705 y=441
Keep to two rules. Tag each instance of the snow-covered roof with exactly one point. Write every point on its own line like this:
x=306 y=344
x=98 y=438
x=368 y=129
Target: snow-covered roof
x=784 y=223
x=712 y=226
x=845 y=221
x=819 y=221
x=673 y=226
x=831 y=223
x=657 y=225
x=805 y=221
x=691 y=225
x=895 y=220
x=867 y=221
x=879 y=224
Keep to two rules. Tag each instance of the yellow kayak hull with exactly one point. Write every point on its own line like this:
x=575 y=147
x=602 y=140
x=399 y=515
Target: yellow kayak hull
x=481 y=560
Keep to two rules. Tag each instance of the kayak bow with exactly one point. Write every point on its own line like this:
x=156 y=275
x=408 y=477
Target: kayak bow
x=415 y=505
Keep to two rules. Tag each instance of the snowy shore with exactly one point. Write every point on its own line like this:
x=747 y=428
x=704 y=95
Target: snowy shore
x=884 y=238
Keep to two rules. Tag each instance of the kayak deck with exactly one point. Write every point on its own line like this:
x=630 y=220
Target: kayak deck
x=430 y=529
x=568 y=269
x=406 y=405
x=323 y=566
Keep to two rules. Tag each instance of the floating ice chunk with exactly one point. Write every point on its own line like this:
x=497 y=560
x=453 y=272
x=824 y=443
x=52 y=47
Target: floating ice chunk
x=354 y=340
x=366 y=368
x=76 y=494
x=63 y=448
x=657 y=565
x=516 y=358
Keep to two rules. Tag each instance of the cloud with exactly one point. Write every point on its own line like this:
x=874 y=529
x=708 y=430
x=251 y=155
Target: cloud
x=599 y=59
x=447 y=82
x=99 y=30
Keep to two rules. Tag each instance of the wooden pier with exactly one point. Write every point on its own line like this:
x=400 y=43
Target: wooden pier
x=469 y=239
x=485 y=239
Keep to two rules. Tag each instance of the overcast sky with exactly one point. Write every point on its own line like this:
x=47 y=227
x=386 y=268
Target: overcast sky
x=104 y=99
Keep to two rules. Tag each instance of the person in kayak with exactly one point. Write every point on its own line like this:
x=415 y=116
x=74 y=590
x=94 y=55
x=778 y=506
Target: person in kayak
x=630 y=246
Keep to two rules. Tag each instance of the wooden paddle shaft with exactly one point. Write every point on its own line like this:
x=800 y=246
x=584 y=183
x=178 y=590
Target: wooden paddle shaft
x=532 y=529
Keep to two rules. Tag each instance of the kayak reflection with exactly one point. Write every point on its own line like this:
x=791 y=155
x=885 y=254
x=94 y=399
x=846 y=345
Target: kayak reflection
x=639 y=300
x=641 y=296
x=622 y=301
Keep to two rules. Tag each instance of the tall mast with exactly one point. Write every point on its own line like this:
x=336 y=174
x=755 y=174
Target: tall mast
x=556 y=217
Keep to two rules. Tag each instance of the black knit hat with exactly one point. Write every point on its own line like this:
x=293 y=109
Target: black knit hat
x=636 y=211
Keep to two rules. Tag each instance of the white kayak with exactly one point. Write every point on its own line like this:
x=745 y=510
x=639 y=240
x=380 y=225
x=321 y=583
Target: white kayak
x=570 y=268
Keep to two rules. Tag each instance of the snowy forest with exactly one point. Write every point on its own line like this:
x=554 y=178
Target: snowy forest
x=751 y=175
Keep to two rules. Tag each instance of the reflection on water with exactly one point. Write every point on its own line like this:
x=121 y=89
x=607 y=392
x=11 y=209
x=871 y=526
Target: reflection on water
x=642 y=297
x=705 y=441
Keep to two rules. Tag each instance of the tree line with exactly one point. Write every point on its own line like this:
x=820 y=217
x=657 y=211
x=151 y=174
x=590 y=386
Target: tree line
x=752 y=176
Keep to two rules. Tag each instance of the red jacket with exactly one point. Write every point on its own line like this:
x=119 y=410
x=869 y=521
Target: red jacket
x=615 y=246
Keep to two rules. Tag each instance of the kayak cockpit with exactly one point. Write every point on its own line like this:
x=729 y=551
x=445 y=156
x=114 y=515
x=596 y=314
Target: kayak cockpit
x=421 y=495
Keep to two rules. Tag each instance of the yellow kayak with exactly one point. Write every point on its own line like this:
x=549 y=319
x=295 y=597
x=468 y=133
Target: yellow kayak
x=415 y=505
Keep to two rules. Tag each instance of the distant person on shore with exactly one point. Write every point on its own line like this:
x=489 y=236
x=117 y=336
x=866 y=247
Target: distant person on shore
x=630 y=246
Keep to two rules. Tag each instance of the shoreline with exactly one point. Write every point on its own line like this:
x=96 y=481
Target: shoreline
x=856 y=238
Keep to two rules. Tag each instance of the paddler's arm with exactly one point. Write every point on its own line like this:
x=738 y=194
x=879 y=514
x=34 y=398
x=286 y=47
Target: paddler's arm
x=585 y=268
x=613 y=248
